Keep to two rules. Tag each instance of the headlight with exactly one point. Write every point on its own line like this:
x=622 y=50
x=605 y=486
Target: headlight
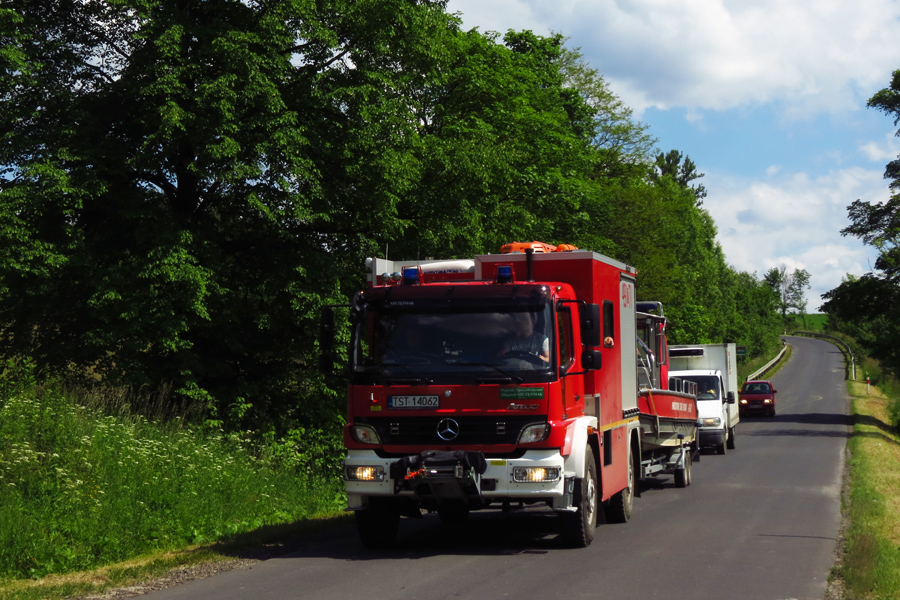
x=535 y=474
x=744 y=401
x=767 y=401
x=711 y=422
x=365 y=434
x=364 y=473
x=536 y=432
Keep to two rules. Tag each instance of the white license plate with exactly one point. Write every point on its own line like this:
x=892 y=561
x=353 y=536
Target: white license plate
x=428 y=402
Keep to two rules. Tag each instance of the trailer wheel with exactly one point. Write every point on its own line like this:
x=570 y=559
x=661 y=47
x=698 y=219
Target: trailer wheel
x=731 y=438
x=377 y=525
x=683 y=475
x=577 y=528
x=621 y=504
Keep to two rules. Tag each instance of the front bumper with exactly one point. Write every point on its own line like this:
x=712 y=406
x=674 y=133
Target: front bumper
x=757 y=406
x=712 y=437
x=496 y=483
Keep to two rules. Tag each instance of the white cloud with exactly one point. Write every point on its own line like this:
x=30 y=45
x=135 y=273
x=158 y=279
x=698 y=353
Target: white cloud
x=794 y=220
x=719 y=54
x=884 y=151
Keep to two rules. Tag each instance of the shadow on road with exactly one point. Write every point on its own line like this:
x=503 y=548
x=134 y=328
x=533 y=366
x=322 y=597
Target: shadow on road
x=843 y=425
x=487 y=533
x=483 y=533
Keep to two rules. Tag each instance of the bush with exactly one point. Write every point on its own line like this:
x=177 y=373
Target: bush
x=80 y=488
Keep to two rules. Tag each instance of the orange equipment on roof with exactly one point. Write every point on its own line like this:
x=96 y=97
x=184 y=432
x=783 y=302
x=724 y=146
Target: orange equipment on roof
x=538 y=247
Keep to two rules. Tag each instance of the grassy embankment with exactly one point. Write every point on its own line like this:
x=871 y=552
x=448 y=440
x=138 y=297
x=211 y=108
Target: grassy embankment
x=85 y=484
x=870 y=565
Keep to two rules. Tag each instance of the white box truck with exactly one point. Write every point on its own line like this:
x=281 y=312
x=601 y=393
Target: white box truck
x=713 y=367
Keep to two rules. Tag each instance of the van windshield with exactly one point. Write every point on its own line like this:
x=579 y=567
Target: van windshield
x=707 y=386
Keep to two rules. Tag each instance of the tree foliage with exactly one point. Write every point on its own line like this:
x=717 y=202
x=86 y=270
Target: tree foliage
x=185 y=183
x=865 y=307
x=789 y=288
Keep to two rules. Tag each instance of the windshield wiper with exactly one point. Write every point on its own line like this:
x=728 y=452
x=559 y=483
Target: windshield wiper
x=419 y=379
x=508 y=379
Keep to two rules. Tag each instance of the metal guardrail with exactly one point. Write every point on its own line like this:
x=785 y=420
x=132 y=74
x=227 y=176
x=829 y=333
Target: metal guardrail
x=835 y=341
x=768 y=365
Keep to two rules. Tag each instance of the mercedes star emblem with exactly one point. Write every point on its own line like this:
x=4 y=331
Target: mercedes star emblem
x=448 y=429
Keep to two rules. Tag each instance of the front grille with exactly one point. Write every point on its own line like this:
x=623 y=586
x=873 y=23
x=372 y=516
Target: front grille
x=472 y=430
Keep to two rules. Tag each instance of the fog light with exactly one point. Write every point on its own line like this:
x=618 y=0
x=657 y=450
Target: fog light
x=535 y=474
x=365 y=434
x=364 y=473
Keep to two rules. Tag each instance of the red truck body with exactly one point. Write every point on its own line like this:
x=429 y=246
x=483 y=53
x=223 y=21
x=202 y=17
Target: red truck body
x=443 y=416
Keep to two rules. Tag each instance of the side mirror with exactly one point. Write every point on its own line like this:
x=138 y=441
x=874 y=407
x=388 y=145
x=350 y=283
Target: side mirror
x=590 y=325
x=730 y=397
x=591 y=360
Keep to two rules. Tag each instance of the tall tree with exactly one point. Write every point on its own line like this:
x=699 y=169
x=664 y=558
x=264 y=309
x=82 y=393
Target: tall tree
x=684 y=172
x=789 y=288
x=865 y=307
x=624 y=146
x=184 y=183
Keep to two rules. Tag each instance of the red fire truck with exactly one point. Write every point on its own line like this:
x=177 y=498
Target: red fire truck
x=503 y=381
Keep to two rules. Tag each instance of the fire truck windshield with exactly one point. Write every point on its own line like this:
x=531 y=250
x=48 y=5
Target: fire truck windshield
x=467 y=344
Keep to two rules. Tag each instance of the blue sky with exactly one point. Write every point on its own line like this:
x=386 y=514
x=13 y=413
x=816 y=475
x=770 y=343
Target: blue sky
x=767 y=97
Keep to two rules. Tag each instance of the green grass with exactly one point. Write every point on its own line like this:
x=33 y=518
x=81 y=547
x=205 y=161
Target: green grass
x=870 y=566
x=814 y=322
x=81 y=488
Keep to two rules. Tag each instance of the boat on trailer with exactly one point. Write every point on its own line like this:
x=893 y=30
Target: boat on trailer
x=667 y=406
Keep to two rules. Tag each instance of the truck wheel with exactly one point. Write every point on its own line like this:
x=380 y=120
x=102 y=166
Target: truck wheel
x=577 y=528
x=731 y=438
x=377 y=525
x=621 y=504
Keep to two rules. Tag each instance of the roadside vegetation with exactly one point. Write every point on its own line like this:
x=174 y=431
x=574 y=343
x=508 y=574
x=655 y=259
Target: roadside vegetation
x=86 y=482
x=870 y=565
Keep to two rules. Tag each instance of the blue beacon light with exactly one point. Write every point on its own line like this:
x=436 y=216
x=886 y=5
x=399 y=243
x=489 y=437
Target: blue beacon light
x=504 y=274
x=411 y=276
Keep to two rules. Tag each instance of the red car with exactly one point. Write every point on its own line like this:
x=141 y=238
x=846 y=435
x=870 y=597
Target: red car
x=757 y=396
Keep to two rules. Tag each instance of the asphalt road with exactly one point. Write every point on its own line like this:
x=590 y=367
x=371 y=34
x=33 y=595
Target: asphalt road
x=759 y=523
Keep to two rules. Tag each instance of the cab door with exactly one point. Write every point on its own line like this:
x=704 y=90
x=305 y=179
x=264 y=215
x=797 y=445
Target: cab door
x=572 y=385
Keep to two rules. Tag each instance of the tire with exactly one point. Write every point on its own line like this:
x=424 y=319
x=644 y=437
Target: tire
x=683 y=475
x=690 y=468
x=577 y=528
x=377 y=525
x=721 y=448
x=621 y=505
x=731 y=438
